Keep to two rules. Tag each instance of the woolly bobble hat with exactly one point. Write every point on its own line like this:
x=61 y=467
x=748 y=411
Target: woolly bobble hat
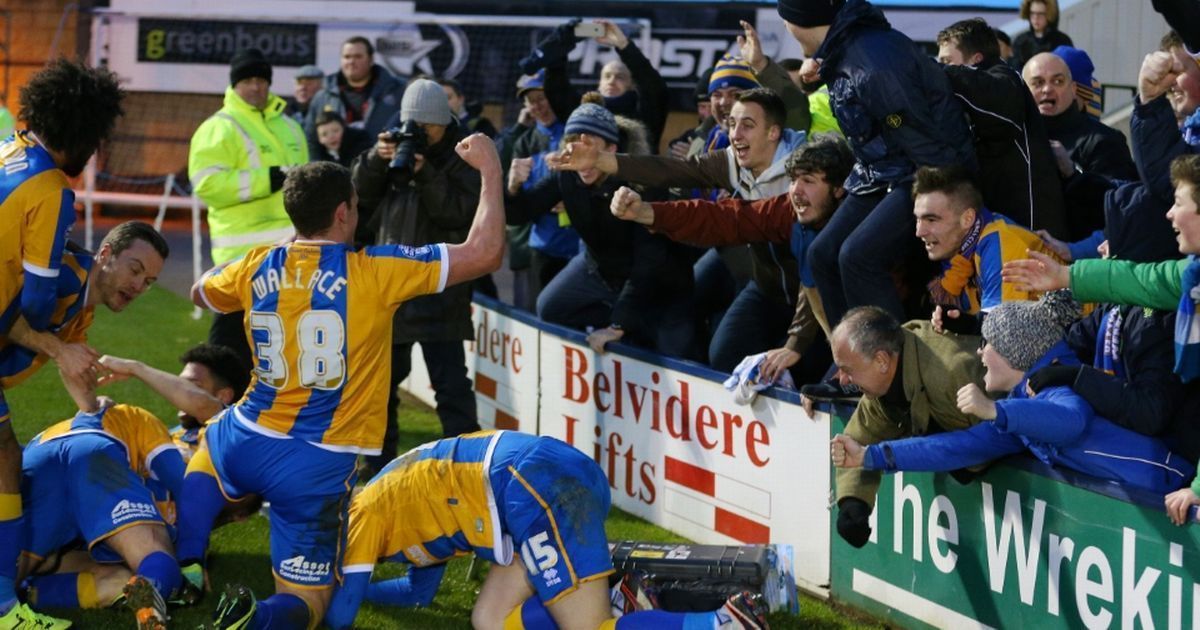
x=732 y=71
x=1086 y=85
x=593 y=119
x=425 y=102
x=1024 y=331
x=249 y=63
x=809 y=13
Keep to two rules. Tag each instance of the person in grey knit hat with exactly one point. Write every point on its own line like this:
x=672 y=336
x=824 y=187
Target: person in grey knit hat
x=1022 y=332
x=432 y=201
x=1054 y=425
x=425 y=102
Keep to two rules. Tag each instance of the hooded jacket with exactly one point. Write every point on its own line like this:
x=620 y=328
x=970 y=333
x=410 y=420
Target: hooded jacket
x=1057 y=426
x=894 y=104
x=229 y=163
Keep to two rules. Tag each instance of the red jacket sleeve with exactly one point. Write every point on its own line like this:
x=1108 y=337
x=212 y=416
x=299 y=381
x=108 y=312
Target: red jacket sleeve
x=725 y=222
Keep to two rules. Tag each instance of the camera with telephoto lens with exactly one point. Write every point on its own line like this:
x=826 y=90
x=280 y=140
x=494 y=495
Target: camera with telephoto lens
x=410 y=140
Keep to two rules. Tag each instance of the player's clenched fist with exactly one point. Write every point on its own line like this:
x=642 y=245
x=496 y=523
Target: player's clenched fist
x=479 y=151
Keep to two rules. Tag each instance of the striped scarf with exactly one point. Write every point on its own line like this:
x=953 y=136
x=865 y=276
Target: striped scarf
x=1187 y=326
x=1108 y=343
x=948 y=289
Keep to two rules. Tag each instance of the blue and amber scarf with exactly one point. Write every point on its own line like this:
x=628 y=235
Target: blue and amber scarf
x=1187 y=327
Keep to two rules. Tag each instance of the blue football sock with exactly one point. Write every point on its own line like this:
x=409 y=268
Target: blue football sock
x=281 y=610
x=58 y=590
x=197 y=515
x=11 y=523
x=162 y=571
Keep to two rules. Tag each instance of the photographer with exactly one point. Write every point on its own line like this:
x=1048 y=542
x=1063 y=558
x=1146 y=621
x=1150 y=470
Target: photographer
x=414 y=190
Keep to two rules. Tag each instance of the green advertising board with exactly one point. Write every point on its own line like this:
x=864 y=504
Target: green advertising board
x=1019 y=547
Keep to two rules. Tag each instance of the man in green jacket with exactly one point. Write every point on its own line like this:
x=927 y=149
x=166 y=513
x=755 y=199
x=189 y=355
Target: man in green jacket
x=237 y=163
x=910 y=375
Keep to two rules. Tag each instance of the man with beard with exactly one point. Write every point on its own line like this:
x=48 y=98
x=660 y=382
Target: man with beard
x=816 y=171
x=68 y=110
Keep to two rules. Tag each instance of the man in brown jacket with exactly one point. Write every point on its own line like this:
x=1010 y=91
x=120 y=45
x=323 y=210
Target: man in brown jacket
x=816 y=171
x=909 y=376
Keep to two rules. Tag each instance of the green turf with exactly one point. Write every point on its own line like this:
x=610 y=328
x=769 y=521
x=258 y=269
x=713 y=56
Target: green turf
x=157 y=329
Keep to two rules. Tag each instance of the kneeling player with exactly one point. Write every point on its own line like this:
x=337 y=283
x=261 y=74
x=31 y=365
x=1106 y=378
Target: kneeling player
x=497 y=494
x=86 y=479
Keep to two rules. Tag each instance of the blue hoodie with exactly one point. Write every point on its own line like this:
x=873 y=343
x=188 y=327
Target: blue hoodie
x=893 y=102
x=1056 y=426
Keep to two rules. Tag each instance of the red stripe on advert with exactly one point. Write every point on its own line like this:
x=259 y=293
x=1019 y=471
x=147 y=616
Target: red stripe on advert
x=485 y=385
x=690 y=476
x=741 y=528
x=505 y=421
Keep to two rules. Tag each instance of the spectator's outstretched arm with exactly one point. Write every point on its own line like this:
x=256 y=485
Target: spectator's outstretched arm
x=562 y=96
x=942 y=452
x=725 y=222
x=1154 y=285
x=180 y=392
x=483 y=250
x=708 y=170
x=772 y=75
x=653 y=105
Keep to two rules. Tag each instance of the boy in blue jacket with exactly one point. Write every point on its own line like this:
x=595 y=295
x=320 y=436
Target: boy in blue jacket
x=1055 y=424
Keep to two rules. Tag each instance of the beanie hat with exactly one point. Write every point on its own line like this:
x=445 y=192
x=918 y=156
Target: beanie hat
x=530 y=82
x=425 y=102
x=1024 y=331
x=249 y=63
x=1086 y=85
x=593 y=119
x=732 y=71
x=809 y=13
x=310 y=72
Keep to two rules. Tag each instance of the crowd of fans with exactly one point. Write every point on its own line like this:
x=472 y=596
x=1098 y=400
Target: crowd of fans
x=816 y=206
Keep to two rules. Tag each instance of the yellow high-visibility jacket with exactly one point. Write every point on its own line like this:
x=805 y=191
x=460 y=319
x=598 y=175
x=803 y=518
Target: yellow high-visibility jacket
x=229 y=162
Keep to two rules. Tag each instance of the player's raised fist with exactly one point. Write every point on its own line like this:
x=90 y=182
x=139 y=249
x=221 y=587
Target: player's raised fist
x=479 y=151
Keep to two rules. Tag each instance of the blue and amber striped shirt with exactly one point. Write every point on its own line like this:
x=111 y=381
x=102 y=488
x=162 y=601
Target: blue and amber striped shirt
x=319 y=320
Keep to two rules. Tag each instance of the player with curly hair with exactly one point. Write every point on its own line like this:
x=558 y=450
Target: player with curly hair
x=68 y=110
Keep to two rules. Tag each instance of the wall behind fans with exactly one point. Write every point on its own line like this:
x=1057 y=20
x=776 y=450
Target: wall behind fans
x=33 y=26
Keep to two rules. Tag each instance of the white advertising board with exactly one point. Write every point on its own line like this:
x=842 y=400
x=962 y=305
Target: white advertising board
x=503 y=361
x=680 y=453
